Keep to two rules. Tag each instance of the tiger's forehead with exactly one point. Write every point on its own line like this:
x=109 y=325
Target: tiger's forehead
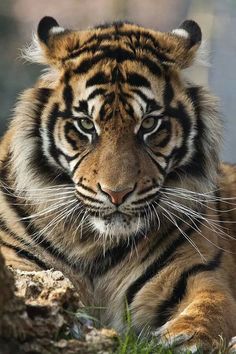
x=114 y=89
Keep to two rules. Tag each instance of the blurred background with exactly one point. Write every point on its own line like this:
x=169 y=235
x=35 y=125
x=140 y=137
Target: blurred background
x=217 y=18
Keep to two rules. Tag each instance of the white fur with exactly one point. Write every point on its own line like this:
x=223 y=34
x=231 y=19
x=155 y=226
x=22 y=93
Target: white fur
x=181 y=32
x=34 y=52
x=57 y=29
x=116 y=228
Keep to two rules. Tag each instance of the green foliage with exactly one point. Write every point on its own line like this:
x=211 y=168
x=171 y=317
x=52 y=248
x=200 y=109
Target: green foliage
x=129 y=342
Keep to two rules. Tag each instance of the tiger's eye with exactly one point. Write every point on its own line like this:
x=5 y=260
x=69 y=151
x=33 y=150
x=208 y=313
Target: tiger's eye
x=86 y=124
x=148 y=123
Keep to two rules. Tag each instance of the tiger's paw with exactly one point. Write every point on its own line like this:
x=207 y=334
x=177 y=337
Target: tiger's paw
x=181 y=340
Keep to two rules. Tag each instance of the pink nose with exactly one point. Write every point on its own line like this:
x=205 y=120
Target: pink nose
x=117 y=198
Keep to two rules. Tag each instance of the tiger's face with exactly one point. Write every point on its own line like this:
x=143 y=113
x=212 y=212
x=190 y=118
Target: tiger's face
x=120 y=121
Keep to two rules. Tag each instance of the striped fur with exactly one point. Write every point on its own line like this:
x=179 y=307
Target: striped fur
x=113 y=113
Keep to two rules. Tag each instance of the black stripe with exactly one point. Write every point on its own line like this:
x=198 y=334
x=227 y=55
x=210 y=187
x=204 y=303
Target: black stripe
x=148 y=189
x=52 y=118
x=68 y=97
x=99 y=78
x=120 y=55
x=156 y=163
x=78 y=163
x=90 y=199
x=86 y=188
x=166 y=307
x=135 y=79
x=95 y=93
x=5 y=229
x=82 y=107
x=197 y=165
x=168 y=92
x=160 y=239
x=25 y=254
x=152 y=105
x=156 y=266
x=149 y=197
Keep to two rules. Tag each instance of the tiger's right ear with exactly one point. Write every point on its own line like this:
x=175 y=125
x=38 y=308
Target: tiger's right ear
x=52 y=43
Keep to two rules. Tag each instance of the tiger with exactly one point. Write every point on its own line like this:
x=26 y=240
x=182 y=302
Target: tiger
x=110 y=173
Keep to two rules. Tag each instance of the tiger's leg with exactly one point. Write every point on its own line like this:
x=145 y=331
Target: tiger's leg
x=203 y=320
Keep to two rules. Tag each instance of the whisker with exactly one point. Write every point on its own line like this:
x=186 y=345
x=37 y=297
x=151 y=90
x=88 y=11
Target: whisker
x=47 y=210
x=170 y=218
x=201 y=201
x=200 y=232
x=198 y=215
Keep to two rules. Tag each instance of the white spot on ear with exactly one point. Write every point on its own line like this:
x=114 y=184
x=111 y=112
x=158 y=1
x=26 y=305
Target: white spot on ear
x=56 y=30
x=181 y=32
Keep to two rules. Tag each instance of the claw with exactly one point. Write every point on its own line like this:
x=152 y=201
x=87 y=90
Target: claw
x=170 y=341
x=190 y=349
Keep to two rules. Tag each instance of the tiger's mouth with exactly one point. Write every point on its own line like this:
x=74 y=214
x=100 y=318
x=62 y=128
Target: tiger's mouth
x=125 y=220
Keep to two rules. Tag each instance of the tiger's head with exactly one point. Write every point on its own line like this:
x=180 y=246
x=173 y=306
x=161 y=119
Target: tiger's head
x=121 y=122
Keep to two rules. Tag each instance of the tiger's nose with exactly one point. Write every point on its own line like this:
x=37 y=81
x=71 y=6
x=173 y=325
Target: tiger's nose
x=117 y=197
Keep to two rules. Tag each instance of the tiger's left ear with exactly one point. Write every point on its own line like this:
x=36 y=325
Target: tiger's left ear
x=52 y=43
x=181 y=44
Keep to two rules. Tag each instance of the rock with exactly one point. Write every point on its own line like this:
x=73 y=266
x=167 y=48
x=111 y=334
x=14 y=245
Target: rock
x=40 y=312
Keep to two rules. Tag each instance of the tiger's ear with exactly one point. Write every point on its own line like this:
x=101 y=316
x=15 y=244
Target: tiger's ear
x=47 y=29
x=181 y=44
x=52 y=43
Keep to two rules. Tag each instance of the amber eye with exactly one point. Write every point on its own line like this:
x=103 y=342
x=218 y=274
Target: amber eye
x=86 y=125
x=148 y=124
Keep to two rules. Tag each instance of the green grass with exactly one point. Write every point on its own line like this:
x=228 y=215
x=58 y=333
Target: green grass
x=129 y=343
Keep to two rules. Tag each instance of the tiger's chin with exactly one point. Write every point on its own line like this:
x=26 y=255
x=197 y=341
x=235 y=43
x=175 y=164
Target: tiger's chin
x=118 y=225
